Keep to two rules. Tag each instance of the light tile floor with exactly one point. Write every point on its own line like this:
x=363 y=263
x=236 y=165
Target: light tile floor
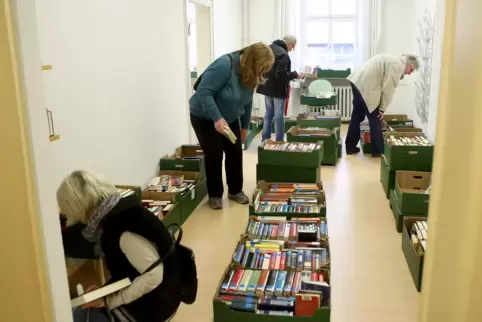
x=370 y=278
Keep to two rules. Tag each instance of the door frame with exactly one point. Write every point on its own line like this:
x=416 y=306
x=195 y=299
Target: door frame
x=25 y=276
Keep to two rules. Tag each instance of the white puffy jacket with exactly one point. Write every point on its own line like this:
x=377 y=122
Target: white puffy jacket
x=377 y=79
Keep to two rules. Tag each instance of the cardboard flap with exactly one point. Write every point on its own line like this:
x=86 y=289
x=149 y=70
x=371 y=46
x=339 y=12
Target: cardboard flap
x=413 y=181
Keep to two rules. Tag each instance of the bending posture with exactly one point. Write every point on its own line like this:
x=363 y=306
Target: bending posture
x=130 y=240
x=223 y=98
x=275 y=89
x=373 y=87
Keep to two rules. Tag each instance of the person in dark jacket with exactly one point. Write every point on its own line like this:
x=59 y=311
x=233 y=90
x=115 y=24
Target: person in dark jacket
x=130 y=239
x=224 y=99
x=275 y=89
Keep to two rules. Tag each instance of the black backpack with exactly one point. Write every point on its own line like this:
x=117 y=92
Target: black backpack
x=198 y=81
x=187 y=267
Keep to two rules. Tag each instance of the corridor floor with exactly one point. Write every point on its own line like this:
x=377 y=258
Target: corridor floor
x=370 y=279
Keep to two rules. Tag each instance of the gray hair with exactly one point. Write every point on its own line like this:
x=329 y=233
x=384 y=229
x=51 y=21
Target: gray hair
x=412 y=60
x=289 y=39
x=80 y=192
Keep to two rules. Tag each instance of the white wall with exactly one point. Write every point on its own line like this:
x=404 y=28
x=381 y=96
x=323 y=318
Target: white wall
x=227 y=26
x=398 y=37
x=118 y=90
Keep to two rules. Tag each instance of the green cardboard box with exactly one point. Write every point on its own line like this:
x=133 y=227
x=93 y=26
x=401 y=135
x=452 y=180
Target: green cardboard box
x=288 y=158
x=326 y=122
x=264 y=186
x=287 y=174
x=174 y=215
x=222 y=312
x=340 y=148
x=409 y=158
x=397 y=120
x=397 y=213
x=332 y=73
x=410 y=187
x=187 y=199
x=314 y=101
x=313 y=135
x=387 y=177
x=185 y=158
x=415 y=260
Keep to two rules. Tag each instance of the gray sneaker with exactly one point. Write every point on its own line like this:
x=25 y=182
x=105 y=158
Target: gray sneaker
x=215 y=203
x=240 y=198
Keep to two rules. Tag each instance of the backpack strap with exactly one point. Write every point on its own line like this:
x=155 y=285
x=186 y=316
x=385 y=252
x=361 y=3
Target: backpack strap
x=171 y=250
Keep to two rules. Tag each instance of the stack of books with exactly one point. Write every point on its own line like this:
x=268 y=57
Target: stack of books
x=408 y=141
x=124 y=193
x=418 y=235
x=301 y=230
x=171 y=184
x=289 y=198
x=292 y=147
x=157 y=207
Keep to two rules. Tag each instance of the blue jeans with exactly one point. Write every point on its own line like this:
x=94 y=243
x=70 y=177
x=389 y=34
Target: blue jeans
x=275 y=107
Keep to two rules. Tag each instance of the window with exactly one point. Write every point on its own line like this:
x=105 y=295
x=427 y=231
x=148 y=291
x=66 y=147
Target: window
x=329 y=29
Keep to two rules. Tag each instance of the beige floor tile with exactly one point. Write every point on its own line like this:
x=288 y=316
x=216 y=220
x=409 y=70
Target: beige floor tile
x=370 y=278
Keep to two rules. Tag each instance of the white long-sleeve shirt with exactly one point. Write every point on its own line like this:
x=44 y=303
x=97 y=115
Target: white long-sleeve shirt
x=141 y=253
x=377 y=80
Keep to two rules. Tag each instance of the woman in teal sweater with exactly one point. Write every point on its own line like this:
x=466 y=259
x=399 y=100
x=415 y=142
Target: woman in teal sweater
x=223 y=99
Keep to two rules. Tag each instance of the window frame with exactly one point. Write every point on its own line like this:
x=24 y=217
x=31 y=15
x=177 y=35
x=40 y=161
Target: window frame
x=330 y=19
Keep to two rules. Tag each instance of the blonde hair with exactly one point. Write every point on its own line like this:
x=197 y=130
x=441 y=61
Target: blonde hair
x=256 y=60
x=80 y=192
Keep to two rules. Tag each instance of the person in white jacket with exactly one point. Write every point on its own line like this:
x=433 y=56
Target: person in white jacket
x=373 y=86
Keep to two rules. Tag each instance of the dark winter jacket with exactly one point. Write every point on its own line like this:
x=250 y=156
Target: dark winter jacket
x=280 y=74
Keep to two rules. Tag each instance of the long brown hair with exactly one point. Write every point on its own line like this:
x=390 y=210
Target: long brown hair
x=256 y=60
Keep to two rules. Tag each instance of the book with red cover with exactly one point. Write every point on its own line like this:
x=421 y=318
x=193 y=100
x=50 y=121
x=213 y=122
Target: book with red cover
x=282 y=265
x=272 y=262
x=263 y=279
x=233 y=287
x=306 y=304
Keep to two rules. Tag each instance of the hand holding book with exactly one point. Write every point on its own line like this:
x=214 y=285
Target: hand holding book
x=221 y=125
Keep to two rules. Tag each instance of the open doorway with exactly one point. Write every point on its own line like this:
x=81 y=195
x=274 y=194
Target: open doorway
x=200 y=44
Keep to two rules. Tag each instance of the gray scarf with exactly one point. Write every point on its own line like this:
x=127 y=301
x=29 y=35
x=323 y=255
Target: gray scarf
x=93 y=232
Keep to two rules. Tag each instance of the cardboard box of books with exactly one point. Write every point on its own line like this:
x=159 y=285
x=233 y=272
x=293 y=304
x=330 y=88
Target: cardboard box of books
x=185 y=158
x=316 y=119
x=85 y=272
x=397 y=212
x=397 y=120
x=126 y=191
x=404 y=129
x=387 y=177
x=288 y=200
x=408 y=151
x=287 y=174
x=329 y=137
x=189 y=188
x=275 y=281
x=255 y=126
x=414 y=245
x=311 y=100
x=163 y=205
x=339 y=148
x=412 y=189
x=291 y=154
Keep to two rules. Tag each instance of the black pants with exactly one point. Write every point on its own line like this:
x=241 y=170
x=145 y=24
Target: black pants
x=214 y=144
x=360 y=110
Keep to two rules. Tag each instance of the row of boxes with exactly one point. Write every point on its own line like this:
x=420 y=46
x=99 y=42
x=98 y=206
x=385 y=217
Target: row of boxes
x=405 y=175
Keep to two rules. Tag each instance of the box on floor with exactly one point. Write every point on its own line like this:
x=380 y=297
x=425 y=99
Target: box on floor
x=398 y=215
x=185 y=158
x=413 y=255
x=412 y=191
x=314 y=135
x=189 y=200
x=174 y=214
x=408 y=157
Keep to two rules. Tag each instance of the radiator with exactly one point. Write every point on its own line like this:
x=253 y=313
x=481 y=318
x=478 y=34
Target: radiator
x=345 y=101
